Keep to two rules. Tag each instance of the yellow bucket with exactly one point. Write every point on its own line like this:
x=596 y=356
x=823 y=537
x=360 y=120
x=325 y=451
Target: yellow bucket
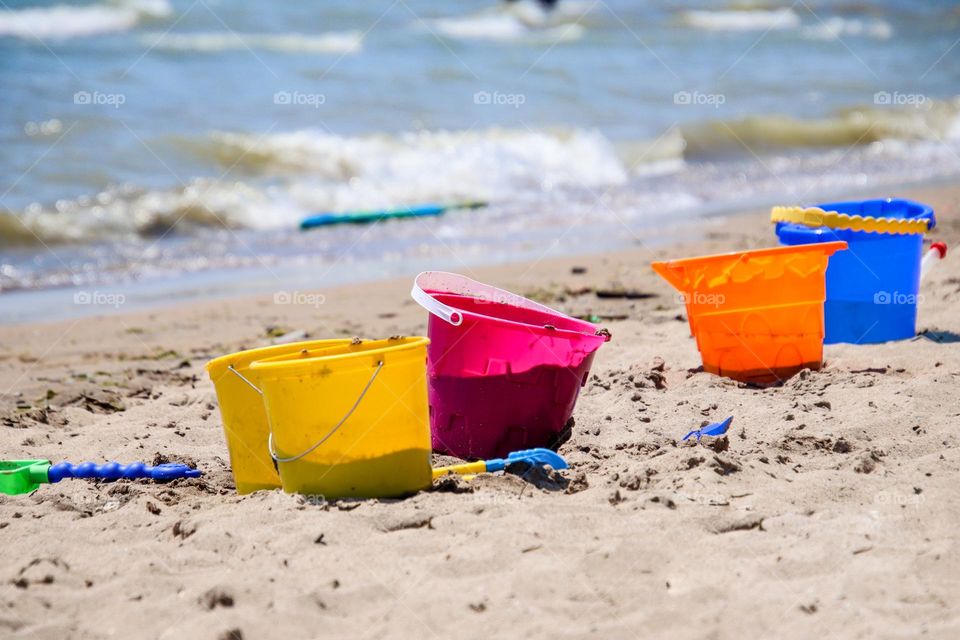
x=350 y=420
x=244 y=417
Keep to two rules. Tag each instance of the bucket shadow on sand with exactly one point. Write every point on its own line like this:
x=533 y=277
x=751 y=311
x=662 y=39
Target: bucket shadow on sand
x=940 y=337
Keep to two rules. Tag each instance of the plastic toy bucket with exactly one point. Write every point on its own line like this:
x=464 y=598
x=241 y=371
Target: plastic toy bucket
x=757 y=315
x=872 y=289
x=350 y=420
x=504 y=371
x=244 y=417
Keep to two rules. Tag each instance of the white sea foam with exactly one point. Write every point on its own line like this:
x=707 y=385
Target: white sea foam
x=344 y=42
x=504 y=27
x=120 y=212
x=382 y=170
x=829 y=28
x=753 y=20
x=835 y=27
x=72 y=21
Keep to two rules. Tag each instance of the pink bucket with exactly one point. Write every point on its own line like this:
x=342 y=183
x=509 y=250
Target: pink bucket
x=504 y=372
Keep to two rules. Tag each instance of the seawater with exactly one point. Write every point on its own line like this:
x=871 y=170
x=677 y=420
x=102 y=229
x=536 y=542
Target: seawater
x=168 y=150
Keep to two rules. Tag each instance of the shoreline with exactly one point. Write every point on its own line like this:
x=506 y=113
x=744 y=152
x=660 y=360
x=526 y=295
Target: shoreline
x=823 y=488
x=156 y=293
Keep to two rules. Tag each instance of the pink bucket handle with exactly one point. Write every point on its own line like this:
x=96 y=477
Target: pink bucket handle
x=433 y=305
x=442 y=281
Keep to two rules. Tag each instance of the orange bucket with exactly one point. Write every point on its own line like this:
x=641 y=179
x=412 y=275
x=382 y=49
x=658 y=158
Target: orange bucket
x=757 y=315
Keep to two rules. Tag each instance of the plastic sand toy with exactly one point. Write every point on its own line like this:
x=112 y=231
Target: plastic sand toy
x=872 y=289
x=24 y=476
x=363 y=217
x=757 y=315
x=715 y=430
x=536 y=457
x=504 y=371
x=349 y=420
x=244 y=416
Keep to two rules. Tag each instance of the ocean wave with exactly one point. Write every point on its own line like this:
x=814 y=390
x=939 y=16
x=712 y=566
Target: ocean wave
x=130 y=213
x=71 y=21
x=661 y=156
x=746 y=20
x=289 y=175
x=15 y=231
x=501 y=162
x=835 y=27
x=830 y=28
x=521 y=21
x=310 y=171
x=928 y=120
x=343 y=42
x=429 y=164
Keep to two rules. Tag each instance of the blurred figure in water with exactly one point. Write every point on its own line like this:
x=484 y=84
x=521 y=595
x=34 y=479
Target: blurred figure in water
x=545 y=4
x=533 y=13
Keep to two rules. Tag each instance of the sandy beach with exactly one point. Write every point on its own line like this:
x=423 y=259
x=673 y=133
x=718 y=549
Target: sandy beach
x=830 y=509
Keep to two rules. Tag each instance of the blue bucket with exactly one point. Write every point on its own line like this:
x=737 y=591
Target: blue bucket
x=872 y=288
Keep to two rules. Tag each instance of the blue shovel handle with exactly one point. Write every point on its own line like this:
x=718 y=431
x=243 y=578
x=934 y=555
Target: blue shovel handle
x=117 y=471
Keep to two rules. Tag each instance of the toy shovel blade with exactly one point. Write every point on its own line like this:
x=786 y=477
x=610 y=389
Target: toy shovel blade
x=22 y=476
x=536 y=457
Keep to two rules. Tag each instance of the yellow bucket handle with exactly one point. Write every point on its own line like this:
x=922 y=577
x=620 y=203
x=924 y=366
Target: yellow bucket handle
x=273 y=452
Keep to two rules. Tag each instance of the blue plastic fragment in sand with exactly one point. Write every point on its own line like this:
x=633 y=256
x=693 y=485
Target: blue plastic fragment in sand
x=715 y=429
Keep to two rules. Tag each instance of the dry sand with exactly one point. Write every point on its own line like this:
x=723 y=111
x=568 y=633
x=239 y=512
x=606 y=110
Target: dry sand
x=830 y=511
